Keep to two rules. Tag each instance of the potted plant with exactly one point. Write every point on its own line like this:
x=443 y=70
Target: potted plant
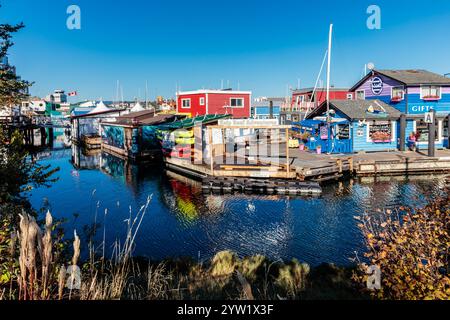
x=301 y=146
x=431 y=98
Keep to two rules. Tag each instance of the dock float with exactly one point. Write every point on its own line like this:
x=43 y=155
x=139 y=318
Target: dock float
x=260 y=186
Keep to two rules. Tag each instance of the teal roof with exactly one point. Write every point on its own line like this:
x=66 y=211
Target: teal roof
x=191 y=122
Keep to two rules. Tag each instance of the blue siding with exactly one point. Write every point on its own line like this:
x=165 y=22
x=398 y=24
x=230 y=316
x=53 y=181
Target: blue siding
x=259 y=111
x=361 y=144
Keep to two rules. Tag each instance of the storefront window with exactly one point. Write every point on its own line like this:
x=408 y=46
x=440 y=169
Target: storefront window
x=343 y=132
x=380 y=131
x=423 y=132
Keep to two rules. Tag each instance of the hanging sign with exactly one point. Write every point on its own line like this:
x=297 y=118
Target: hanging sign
x=429 y=117
x=377 y=85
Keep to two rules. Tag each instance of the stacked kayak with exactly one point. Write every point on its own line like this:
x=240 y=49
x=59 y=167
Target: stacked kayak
x=179 y=144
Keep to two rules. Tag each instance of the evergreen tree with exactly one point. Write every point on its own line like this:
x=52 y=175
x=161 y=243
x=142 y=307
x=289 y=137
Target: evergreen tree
x=13 y=90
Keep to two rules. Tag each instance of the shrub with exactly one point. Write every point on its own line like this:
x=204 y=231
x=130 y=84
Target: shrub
x=411 y=248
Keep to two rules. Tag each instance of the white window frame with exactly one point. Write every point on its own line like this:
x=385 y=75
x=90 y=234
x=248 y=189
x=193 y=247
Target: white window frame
x=393 y=130
x=182 y=103
x=202 y=101
x=440 y=133
x=424 y=86
x=364 y=94
x=237 y=98
x=350 y=96
x=398 y=87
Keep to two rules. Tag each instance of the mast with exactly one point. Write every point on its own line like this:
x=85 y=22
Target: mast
x=146 y=94
x=328 y=83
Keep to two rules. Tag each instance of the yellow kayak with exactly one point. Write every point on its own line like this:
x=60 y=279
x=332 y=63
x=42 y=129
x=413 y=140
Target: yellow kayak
x=185 y=140
x=184 y=134
x=293 y=143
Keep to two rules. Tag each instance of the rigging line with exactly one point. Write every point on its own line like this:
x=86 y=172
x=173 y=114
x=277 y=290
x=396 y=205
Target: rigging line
x=318 y=78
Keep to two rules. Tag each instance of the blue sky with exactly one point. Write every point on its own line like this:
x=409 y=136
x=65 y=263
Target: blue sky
x=262 y=45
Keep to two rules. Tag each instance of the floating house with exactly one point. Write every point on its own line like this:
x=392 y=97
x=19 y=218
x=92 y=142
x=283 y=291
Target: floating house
x=268 y=108
x=412 y=92
x=355 y=125
x=200 y=102
x=86 y=125
x=134 y=135
x=311 y=98
x=305 y=100
x=187 y=139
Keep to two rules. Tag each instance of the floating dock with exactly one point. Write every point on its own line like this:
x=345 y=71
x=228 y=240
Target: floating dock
x=260 y=186
x=310 y=167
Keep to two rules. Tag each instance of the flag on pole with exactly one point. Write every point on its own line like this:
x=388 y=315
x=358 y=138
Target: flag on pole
x=72 y=94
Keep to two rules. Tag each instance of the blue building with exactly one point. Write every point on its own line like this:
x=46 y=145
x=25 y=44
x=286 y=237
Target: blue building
x=260 y=109
x=412 y=92
x=355 y=125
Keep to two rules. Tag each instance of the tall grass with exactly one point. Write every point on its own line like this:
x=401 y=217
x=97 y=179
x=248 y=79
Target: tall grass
x=43 y=272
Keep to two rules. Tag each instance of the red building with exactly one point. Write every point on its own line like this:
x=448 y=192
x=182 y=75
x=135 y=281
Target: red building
x=200 y=102
x=303 y=99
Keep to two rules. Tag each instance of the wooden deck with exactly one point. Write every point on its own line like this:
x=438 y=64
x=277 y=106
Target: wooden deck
x=305 y=166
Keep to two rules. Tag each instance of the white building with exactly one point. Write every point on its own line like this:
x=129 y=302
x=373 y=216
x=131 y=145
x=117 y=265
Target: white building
x=58 y=96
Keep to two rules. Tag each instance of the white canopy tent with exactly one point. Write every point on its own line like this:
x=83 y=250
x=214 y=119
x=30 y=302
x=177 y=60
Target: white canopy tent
x=100 y=107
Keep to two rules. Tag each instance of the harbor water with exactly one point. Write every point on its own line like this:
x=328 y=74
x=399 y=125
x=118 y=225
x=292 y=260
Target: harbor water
x=95 y=188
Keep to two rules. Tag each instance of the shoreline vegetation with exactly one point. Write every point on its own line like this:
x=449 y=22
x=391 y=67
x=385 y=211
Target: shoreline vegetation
x=410 y=246
x=38 y=262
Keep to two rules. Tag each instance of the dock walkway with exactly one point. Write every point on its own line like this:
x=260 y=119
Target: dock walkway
x=306 y=166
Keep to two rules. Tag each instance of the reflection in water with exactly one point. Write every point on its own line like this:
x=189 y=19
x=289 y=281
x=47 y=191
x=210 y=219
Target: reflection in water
x=182 y=221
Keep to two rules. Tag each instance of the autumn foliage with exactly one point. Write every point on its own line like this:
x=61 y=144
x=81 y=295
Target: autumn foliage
x=411 y=248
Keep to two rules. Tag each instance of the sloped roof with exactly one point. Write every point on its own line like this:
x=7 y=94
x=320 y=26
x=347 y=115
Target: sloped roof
x=409 y=77
x=418 y=76
x=139 y=114
x=190 y=122
x=320 y=89
x=358 y=109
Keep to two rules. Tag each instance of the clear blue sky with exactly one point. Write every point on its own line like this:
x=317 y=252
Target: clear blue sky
x=263 y=45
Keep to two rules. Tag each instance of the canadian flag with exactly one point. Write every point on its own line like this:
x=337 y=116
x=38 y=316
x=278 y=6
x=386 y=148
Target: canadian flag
x=72 y=94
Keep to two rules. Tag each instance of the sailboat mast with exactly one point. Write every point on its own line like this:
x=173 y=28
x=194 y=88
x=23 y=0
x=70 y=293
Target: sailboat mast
x=328 y=78
x=146 y=94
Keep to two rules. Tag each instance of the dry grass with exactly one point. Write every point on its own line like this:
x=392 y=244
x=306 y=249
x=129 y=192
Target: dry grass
x=42 y=272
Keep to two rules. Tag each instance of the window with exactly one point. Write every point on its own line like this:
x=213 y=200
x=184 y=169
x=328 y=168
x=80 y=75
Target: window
x=349 y=96
x=380 y=131
x=430 y=92
x=398 y=94
x=422 y=131
x=185 y=103
x=360 y=95
x=237 y=102
x=202 y=101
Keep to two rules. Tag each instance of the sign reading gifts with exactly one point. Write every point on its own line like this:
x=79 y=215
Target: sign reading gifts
x=443 y=108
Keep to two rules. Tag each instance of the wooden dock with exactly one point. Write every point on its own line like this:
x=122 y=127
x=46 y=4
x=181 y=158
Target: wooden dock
x=305 y=166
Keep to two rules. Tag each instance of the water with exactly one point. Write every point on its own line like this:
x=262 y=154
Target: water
x=181 y=221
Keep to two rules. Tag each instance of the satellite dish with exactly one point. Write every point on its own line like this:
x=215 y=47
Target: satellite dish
x=371 y=66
